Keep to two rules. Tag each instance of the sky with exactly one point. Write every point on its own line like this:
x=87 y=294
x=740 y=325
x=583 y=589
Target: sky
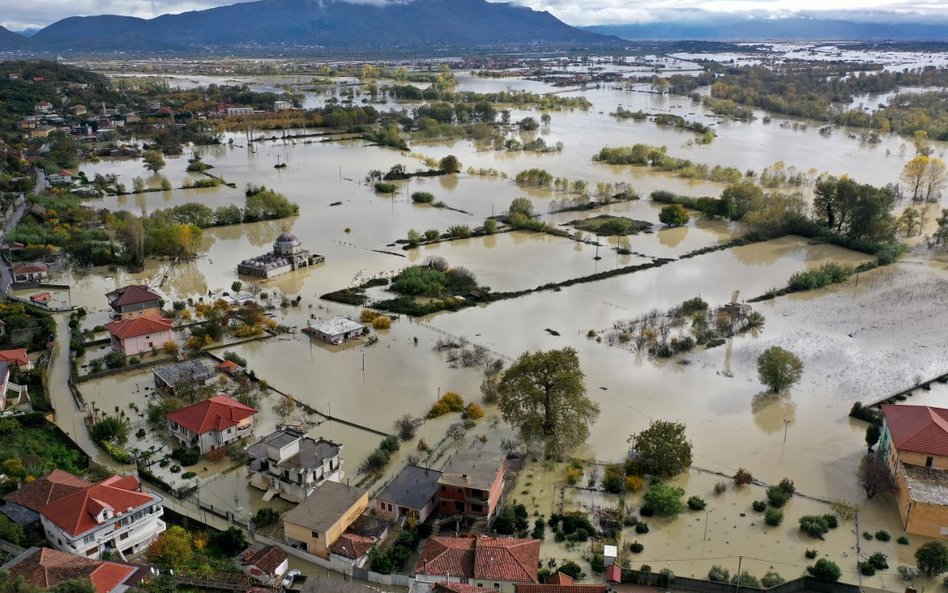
x=21 y=14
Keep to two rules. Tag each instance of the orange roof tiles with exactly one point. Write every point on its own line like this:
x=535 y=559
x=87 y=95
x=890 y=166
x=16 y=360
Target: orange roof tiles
x=132 y=328
x=76 y=513
x=51 y=487
x=47 y=568
x=217 y=413
x=481 y=557
x=131 y=295
x=920 y=429
x=351 y=545
x=17 y=356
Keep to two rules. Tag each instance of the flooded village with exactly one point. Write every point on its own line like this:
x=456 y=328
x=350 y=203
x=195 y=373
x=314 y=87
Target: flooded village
x=295 y=376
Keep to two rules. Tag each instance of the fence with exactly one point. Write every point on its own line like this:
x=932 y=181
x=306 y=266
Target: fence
x=690 y=585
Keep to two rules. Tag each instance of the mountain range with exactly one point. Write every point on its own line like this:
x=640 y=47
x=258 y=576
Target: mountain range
x=290 y=25
x=791 y=28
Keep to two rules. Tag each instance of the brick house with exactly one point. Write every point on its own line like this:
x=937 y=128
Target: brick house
x=471 y=483
x=492 y=563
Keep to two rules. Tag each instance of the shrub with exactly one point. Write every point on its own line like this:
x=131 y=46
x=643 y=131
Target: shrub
x=265 y=516
x=902 y=540
x=825 y=569
x=811 y=554
x=382 y=322
x=634 y=483
x=383 y=187
x=636 y=548
x=879 y=561
x=572 y=569
x=908 y=573
x=186 y=457
x=719 y=574
x=720 y=488
x=573 y=475
x=665 y=499
x=473 y=412
x=867 y=569
x=641 y=527
x=831 y=521
x=613 y=478
x=786 y=485
x=596 y=563
x=646 y=511
x=883 y=536
x=773 y=517
x=449 y=402
x=813 y=525
x=696 y=503
x=422 y=197
x=759 y=506
x=188 y=475
x=771 y=579
x=866 y=535
x=777 y=497
x=746 y=579
x=743 y=477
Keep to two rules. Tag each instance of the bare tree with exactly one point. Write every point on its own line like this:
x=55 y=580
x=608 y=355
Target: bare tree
x=874 y=476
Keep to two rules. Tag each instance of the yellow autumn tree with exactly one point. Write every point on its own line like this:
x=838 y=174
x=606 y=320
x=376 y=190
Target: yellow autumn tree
x=173 y=549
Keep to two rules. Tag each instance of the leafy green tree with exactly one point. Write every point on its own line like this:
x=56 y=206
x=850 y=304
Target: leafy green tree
x=76 y=585
x=613 y=478
x=663 y=449
x=231 y=541
x=664 y=499
x=932 y=558
x=265 y=516
x=778 y=369
x=673 y=215
x=543 y=396
x=873 y=432
x=740 y=198
x=173 y=549
x=521 y=206
x=490 y=226
x=153 y=160
x=449 y=164
x=854 y=210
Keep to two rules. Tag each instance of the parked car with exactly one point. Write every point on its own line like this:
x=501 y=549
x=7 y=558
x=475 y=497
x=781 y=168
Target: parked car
x=290 y=578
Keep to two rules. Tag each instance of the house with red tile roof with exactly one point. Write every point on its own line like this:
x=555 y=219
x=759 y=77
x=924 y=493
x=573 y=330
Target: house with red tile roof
x=113 y=515
x=493 y=563
x=41 y=299
x=23 y=505
x=134 y=336
x=134 y=301
x=914 y=445
x=17 y=357
x=30 y=273
x=265 y=564
x=212 y=423
x=46 y=568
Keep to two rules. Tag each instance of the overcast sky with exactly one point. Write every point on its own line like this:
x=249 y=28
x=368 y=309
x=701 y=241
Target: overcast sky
x=20 y=14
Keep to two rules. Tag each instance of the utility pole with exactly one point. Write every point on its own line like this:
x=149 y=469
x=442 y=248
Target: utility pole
x=737 y=588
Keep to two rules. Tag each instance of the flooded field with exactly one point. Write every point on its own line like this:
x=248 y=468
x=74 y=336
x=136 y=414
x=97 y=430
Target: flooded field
x=859 y=341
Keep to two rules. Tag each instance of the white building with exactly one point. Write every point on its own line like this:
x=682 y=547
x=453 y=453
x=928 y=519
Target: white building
x=336 y=331
x=112 y=515
x=282 y=106
x=231 y=111
x=291 y=465
x=211 y=424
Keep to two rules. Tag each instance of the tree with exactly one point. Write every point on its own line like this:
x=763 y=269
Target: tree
x=739 y=198
x=825 y=569
x=153 y=160
x=874 y=476
x=230 y=541
x=265 y=516
x=663 y=449
x=405 y=427
x=76 y=585
x=673 y=215
x=778 y=369
x=543 y=395
x=284 y=409
x=935 y=179
x=664 y=499
x=922 y=146
x=449 y=164
x=873 y=432
x=932 y=558
x=172 y=549
x=913 y=175
x=908 y=222
x=521 y=206
x=854 y=210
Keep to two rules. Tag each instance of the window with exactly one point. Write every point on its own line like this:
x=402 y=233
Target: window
x=315 y=534
x=496 y=586
x=477 y=508
x=928 y=462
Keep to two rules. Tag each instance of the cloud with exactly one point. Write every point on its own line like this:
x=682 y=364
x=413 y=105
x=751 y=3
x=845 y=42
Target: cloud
x=20 y=14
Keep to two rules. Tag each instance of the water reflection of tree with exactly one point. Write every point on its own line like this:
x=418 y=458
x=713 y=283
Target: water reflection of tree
x=772 y=411
x=185 y=278
x=258 y=234
x=672 y=237
x=764 y=254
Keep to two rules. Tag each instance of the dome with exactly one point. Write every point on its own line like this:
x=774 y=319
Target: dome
x=286 y=239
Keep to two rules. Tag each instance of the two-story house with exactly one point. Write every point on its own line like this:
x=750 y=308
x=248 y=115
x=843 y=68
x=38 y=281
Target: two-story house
x=45 y=569
x=321 y=519
x=471 y=483
x=114 y=514
x=411 y=493
x=212 y=423
x=914 y=444
x=134 y=301
x=143 y=334
x=289 y=464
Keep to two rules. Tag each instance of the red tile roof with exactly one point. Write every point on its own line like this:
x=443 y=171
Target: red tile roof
x=481 y=557
x=41 y=297
x=47 y=568
x=229 y=366
x=920 y=429
x=559 y=588
x=217 y=413
x=131 y=295
x=449 y=587
x=51 y=487
x=351 y=545
x=75 y=514
x=29 y=268
x=131 y=328
x=559 y=578
x=267 y=558
x=614 y=574
x=17 y=356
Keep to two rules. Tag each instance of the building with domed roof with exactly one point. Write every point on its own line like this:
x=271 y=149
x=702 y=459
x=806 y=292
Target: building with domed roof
x=287 y=255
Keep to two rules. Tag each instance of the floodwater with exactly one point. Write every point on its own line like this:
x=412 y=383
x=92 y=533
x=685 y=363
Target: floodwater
x=857 y=342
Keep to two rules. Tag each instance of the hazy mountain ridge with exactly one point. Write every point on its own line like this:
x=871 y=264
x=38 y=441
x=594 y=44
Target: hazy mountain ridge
x=319 y=24
x=796 y=28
